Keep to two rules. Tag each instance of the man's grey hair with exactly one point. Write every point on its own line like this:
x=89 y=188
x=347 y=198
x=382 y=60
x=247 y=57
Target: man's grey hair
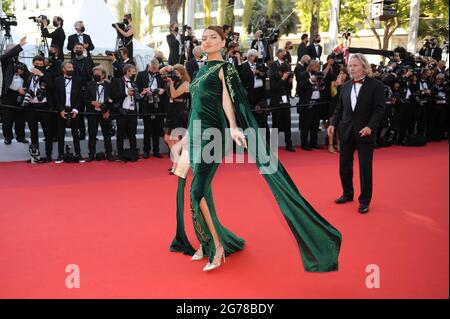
x=197 y=49
x=252 y=52
x=154 y=62
x=65 y=63
x=76 y=22
x=128 y=67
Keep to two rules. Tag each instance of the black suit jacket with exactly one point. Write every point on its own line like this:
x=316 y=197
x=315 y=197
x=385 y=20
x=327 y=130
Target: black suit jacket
x=299 y=69
x=49 y=84
x=304 y=88
x=58 y=37
x=311 y=50
x=73 y=39
x=174 y=47
x=90 y=95
x=9 y=60
x=368 y=111
x=301 y=51
x=76 y=98
x=118 y=94
x=192 y=67
x=267 y=50
x=83 y=69
x=142 y=82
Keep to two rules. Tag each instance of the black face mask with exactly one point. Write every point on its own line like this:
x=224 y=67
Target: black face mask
x=52 y=54
x=82 y=29
x=317 y=41
x=78 y=53
x=40 y=68
x=55 y=24
x=160 y=60
x=97 y=78
x=125 y=21
x=175 y=30
x=69 y=73
x=132 y=77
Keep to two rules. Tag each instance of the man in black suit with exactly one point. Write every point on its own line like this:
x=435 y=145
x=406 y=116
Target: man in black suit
x=280 y=83
x=83 y=66
x=80 y=37
x=300 y=67
x=173 y=39
x=302 y=47
x=151 y=88
x=308 y=90
x=359 y=109
x=314 y=50
x=39 y=86
x=97 y=99
x=195 y=64
x=14 y=75
x=58 y=36
x=253 y=77
x=125 y=104
x=262 y=45
x=68 y=99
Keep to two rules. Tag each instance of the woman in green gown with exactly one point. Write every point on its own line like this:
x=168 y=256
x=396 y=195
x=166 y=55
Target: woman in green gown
x=219 y=104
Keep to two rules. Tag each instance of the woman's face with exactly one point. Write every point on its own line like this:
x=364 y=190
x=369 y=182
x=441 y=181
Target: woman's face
x=212 y=42
x=343 y=76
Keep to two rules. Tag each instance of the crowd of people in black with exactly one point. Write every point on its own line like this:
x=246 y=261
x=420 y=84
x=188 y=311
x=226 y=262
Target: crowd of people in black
x=76 y=94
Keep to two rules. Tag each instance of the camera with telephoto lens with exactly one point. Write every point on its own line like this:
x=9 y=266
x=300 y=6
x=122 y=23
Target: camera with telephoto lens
x=117 y=54
x=24 y=100
x=41 y=92
x=347 y=34
x=168 y=75
x=319 y=76
x=121 y=26
x=40 y=20
x=261 y=71
x=20 y=67
x=7 y=22
x=68 y=112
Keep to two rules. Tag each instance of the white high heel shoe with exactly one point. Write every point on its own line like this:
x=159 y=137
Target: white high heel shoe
x=217 y=262
x=198 y=254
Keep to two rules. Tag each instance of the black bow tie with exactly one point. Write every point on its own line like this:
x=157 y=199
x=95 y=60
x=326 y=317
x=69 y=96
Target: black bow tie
x=68 y=77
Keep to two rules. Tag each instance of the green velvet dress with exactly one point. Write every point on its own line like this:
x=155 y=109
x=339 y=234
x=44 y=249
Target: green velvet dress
x=318 y=240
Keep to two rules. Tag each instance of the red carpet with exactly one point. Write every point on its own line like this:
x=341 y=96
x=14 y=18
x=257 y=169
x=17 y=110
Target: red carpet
x=116 y=222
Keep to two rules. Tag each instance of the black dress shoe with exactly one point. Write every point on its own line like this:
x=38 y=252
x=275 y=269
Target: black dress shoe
x=317 y=147
x=290 y=149
x=158 y=155
x=91 y=158
x=307 y=148
x=7 y=141
x=343 y=200
x=146 y=155
x=363 y=209
x=110 y=157
x=23 y=140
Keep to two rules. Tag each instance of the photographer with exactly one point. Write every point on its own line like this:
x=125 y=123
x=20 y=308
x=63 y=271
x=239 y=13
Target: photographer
x=98 y=100
x=58 y=36
x=195 y=64
x=68 y=100
x=83 y=67
x=425 y=104
x=14 y=75
x=189 y=42
x=118 y=59
x=288 y=47
x=302 y=47
x=234 y=55
x=280 y=82
x=177 y=108
x=300 y=68
x=261 y=44
x=440 y=116
x=314 y=50
x=151 y=87
x=80 y=37
x=309 y=112
x=227 y=30
x=127 y=32
x=253 y=77
x=38 y=98
x=125 y=101
x=174 y=41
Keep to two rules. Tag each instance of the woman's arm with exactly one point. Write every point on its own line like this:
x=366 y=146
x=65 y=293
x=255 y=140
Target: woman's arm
x=183 y=88
x=236 y=134
x=127 y=34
